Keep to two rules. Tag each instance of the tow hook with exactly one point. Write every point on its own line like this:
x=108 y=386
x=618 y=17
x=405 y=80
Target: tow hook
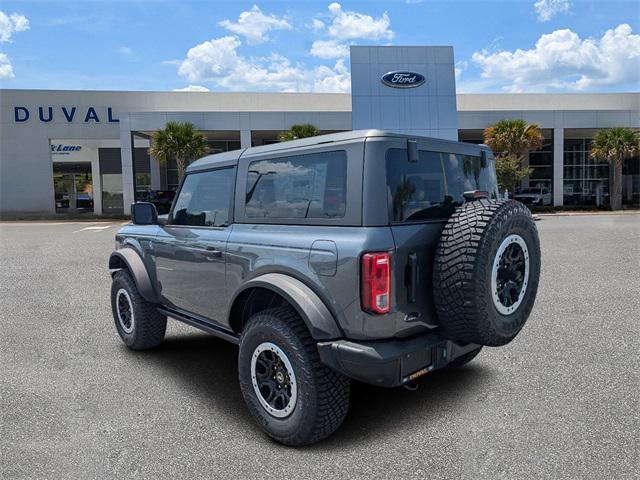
x=411 y=385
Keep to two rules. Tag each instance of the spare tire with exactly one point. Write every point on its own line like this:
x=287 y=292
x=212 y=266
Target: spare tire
x=486 y=272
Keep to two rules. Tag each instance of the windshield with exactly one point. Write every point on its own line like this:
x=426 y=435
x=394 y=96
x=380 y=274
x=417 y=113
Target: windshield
x=434 y=186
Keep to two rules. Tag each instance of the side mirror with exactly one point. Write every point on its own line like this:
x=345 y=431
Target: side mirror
x=144 y=213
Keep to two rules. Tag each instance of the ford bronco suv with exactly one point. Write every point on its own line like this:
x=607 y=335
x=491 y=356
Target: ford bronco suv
x=362 y=255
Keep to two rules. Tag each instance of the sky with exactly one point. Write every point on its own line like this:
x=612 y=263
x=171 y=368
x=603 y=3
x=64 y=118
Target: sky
x=162 y=45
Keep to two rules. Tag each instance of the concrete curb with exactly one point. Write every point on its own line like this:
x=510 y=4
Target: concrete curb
x=573 y=214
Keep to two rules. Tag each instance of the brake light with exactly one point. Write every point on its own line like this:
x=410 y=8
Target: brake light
x=376 y=282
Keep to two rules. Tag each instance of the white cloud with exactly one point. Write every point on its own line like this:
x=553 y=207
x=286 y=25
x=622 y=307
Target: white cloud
x=346 y=25
x=460 y=67
x=329 y=49
x=317 y=25
x=254 y=25
x=127 y=51
x=6 y=69
x=218 y=61
x=562 y=60
x=210 y=59
x=547 y=9
x=192 y=88
x=10 y=24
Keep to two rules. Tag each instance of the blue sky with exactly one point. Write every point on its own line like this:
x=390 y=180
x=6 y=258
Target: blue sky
x=500 y=46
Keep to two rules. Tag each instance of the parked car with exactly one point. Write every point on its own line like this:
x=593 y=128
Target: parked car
x=84 y=200
x=328 y=262
x=534 y=196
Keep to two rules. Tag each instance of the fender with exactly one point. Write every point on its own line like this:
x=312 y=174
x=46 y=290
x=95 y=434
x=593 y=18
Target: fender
x=134 y=263
x=309 y=306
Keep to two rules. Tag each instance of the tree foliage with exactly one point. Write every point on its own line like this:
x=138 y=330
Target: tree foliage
x=510 y=173
x=511 y=141
x=303 y=130
x=180 y=141
x=515 y=138
x=614 y=146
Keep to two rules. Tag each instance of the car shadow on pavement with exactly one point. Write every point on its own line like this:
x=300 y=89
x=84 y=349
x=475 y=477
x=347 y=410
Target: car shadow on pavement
x=207 y=366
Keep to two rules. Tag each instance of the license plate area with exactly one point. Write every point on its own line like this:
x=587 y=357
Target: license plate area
x=417 y=364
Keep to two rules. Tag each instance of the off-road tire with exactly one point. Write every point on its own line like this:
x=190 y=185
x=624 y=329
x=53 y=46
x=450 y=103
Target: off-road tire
x=149 y=325
x=464 y=359
x=463 y=269
x=322 y=394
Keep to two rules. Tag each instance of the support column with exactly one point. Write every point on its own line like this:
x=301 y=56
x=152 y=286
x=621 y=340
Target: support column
x=96 y=184
x=525 y=181
x=558 y=167
x=245 y=138
x=154 y=165
x=126 y=158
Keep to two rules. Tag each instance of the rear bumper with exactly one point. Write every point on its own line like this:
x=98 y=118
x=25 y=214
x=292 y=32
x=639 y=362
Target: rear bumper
x=392 y=362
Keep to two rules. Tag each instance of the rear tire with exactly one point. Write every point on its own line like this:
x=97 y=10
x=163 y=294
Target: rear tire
x=138 y=322
x=294 y=397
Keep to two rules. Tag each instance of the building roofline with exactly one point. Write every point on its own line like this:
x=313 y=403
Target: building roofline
x=341 y=102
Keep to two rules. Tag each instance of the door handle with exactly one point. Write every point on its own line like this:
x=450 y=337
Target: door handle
x=213 y=251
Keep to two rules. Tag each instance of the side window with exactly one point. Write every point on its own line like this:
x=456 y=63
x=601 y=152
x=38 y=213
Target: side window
x=433 y=186
x=300 y=186
x=205 y=199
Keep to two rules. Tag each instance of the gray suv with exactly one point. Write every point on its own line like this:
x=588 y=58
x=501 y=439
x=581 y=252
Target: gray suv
x=362 y=255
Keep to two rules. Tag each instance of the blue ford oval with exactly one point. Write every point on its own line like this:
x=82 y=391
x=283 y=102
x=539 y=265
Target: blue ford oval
x=402 y=79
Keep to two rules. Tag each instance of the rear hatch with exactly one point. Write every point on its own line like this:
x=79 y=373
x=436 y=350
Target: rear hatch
x=421 y=195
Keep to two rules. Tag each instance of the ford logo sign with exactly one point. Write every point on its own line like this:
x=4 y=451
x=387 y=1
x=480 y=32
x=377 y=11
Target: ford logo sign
x=402 y=79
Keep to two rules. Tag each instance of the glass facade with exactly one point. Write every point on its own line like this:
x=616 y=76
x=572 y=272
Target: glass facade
x=586 y=181
x=541 y=160
x=73 y=187
x=542 y=163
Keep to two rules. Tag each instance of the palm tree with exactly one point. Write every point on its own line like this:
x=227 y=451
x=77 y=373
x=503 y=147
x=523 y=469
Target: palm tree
x=179 y=140
x=303 y=130
x=614 y=146
x=514 y=138
x=511 y=141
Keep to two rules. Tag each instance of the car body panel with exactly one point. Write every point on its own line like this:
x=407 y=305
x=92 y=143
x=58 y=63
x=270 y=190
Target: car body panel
x=202 y=270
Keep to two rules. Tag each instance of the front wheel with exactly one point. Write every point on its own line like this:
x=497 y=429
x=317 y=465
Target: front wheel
x=295 y=398
x=138 y=322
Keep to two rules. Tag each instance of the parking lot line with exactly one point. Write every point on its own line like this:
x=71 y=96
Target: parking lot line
x=93 y=228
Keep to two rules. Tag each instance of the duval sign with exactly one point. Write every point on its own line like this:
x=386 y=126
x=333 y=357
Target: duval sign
x=403 y=79
x=65 y=113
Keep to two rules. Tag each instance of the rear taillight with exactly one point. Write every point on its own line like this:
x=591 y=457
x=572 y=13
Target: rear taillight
x=376 y=282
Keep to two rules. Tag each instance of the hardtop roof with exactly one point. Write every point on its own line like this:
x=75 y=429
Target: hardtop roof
x=231 y=158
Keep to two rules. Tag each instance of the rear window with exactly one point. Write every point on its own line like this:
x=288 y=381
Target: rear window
x=301 y=186
x=433 y=187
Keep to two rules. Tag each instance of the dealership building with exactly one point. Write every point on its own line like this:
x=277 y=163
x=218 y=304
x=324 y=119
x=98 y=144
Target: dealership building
x=78 y=151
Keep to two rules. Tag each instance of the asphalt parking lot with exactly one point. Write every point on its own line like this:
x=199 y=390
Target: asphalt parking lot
x=561 y=401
